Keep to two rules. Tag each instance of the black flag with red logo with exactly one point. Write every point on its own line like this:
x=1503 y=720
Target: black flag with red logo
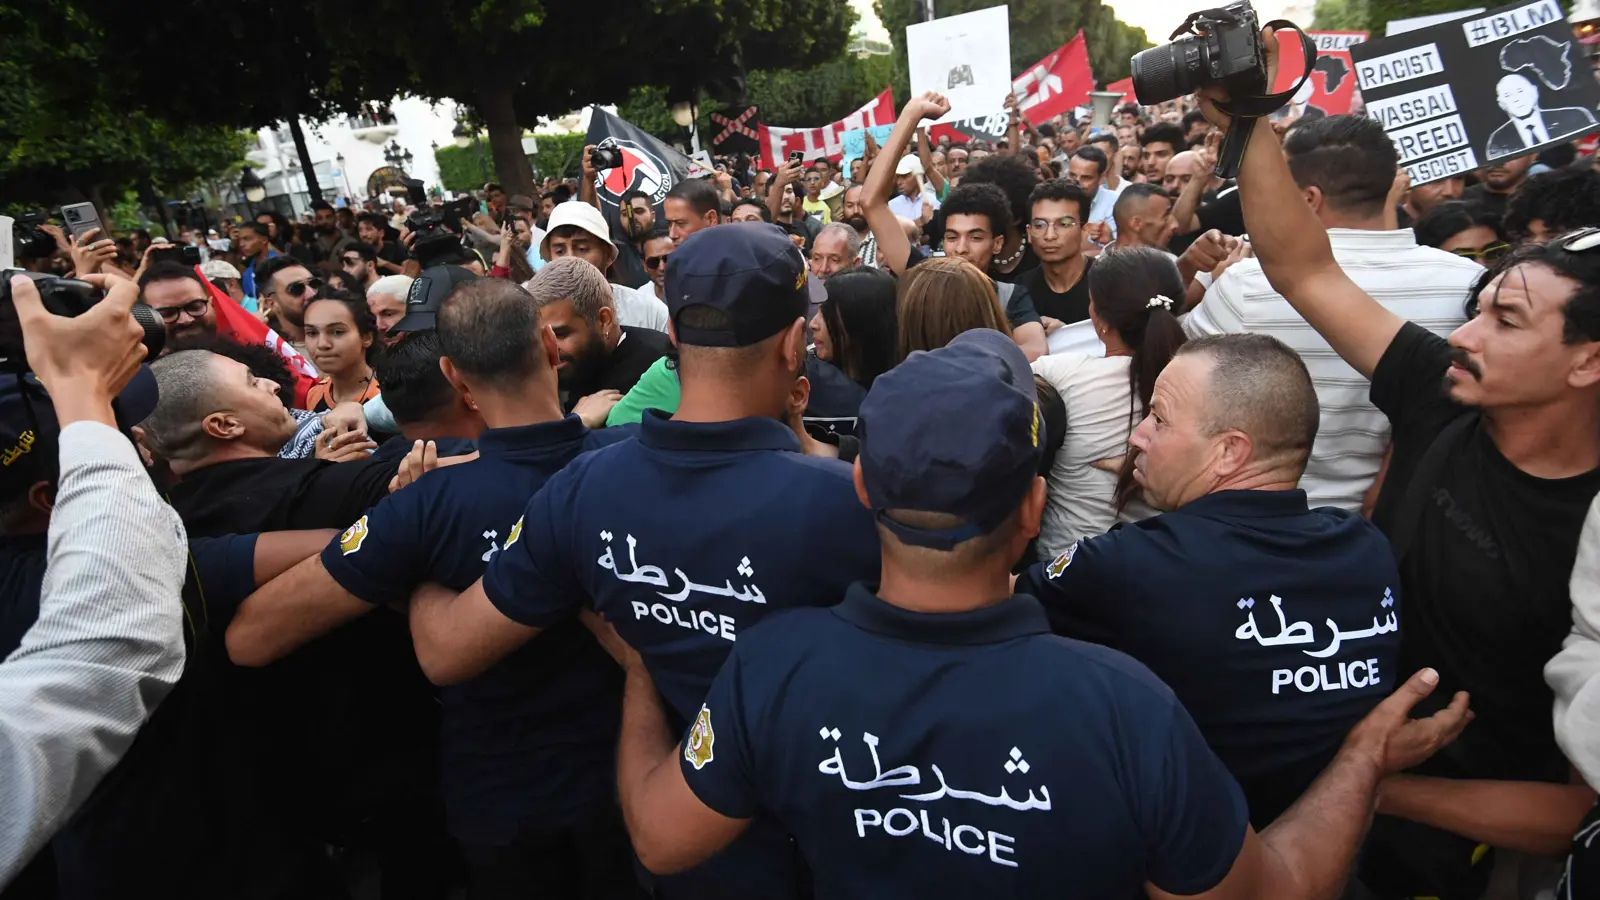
x=648 y=165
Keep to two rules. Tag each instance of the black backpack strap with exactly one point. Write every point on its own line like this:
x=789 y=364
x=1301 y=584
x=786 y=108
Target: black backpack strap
x=1408 y=517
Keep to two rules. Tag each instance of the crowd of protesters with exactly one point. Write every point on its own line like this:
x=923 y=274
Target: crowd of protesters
x=1124 y=529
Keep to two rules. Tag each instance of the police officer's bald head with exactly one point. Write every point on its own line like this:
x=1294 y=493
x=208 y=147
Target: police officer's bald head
x=1235 y=411
x=490 y=331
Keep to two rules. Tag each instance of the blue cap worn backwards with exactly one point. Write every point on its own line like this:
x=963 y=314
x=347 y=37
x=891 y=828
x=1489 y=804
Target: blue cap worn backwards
x=751 y=272
x=955 y=430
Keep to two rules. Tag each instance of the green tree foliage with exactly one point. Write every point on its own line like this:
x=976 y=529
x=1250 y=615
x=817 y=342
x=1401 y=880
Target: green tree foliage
x=1340 y=15
x=559 y=156
x=67 y=136
x=517 y=60
x=1037 y=28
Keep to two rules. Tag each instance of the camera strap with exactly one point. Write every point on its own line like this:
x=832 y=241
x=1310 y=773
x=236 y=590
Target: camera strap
x=1267 y=104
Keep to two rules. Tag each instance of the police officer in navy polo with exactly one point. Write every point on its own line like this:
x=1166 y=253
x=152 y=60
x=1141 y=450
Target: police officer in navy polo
x=527 y=746
x=1277 y=625
x=688 y=536
x=929 y=737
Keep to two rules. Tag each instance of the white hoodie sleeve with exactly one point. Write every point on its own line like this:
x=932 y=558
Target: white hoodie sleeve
x=1572 y=673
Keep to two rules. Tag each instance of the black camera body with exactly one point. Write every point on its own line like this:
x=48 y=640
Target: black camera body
x=28 y=240
x=437 y=233
x=69 y=298
x=1224 y=49
x=605 y=158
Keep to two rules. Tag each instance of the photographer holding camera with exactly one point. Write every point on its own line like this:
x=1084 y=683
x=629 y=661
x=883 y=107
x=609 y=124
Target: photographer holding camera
x=107 y=645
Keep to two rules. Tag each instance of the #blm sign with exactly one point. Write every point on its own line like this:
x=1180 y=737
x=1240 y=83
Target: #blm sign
x=1465 y=93
x=967 y=58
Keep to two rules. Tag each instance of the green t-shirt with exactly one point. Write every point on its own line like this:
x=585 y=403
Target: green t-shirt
x=657 y=388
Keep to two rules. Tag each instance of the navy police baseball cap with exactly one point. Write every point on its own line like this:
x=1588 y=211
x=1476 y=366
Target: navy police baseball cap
x=29 y=429
x=955 y=430
x=751 y=272
x=427 y=294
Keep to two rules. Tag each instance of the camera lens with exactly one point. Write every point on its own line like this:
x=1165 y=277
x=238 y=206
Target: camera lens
x=1160 y=73
x=155 y=333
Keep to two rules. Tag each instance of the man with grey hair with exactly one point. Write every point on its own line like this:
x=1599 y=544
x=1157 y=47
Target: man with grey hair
x=600 y=359
x=835 y=250
x=386 y=298
x=1277 y=625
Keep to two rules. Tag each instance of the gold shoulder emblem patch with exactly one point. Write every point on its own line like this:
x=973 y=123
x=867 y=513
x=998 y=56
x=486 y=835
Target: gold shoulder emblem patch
x=1060 y=563
x=516 y=532
x=350 y=541
x=800 y=280
x=697 y=749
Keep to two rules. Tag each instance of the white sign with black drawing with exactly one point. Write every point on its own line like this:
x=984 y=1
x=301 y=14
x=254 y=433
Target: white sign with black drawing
x=1464 y=93
x=967 y=58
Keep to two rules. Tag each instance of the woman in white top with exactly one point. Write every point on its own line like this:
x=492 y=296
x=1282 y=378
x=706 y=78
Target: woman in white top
x=1131 y=297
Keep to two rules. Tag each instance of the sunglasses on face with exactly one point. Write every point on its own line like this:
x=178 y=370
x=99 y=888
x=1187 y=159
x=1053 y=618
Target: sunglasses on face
x=297 y=289
x=654 y=262
x=194 y=309
x=352 y=260
x=1484 y=254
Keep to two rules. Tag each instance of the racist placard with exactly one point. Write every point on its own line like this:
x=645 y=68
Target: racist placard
x=1462 y=94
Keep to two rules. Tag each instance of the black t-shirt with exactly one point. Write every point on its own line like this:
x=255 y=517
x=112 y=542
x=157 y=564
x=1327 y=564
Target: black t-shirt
x=1486 y=551
x=637 y=352
x=346 y=728
x=1028 y=263
x=1582 y=876
x=1018 y=302
x=1226 y=213
x=1071 y=305
x=392 y=252
x=1486 y=199
x=244 y=496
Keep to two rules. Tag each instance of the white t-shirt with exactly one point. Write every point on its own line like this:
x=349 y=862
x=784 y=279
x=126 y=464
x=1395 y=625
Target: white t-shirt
x=1424 y=285
x=1099 y=421
x=639 y=308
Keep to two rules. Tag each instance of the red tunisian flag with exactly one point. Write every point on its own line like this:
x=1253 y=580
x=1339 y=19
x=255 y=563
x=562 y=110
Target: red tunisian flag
x=1056 y=84
x=239 y=326
x=825 y=141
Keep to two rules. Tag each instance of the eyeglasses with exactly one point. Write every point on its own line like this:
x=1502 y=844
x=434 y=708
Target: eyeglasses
x=1484 y=254
x=297 y=289
x=1043 y=226
x=653 y=262
x=194 y=309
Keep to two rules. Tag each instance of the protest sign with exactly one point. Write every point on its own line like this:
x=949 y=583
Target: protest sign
x=967 y=58
x=853 y=144
x=823 y=141
x=1461 y=94
x=1046 y=89
x=1332 y=86
x=1402 y=26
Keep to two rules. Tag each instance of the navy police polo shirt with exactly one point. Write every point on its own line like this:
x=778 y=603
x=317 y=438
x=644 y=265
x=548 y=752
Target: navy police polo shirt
x=1276 y=625
x=989 y=759
x=684 y=539
x=531 y=740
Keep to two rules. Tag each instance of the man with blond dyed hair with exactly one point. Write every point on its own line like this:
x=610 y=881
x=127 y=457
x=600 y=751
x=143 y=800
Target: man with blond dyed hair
x=600 y=358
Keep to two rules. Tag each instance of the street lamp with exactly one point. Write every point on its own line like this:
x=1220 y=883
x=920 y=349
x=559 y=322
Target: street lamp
x=397 y=155
x=462 y=135
x=251 y=186
x=343 y=175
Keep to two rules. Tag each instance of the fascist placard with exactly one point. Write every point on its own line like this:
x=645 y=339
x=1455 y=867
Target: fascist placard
x=1465 y=93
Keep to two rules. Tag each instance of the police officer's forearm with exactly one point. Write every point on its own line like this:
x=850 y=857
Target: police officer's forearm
x=1526 y=816
x=645 y=749
x=289 y=612
x=1311 y=847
